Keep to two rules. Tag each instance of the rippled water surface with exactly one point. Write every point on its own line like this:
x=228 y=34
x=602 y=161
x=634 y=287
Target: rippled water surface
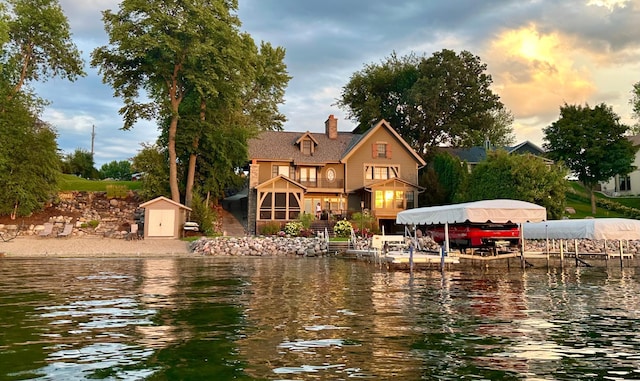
x=312 y=319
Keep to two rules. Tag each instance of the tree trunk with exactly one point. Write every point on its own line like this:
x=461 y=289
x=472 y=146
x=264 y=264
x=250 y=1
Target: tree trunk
x=592 y=195
x=193 y=157
x=191 y=174
x=173 y=158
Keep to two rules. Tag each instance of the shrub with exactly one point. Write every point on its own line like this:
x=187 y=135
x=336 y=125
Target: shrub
x=270 y=228
x=342 y=228
x=306 y=219
x=293 y=228
x=205 y=216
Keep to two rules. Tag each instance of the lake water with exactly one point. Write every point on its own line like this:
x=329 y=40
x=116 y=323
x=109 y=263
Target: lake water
x=210 y=318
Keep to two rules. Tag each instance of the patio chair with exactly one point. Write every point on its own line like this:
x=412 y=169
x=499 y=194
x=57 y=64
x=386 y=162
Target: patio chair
x=48 y=229
x=68 y=229
x=134 y=233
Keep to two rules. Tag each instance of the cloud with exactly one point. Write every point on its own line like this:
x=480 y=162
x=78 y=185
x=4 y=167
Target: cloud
x=535 y=73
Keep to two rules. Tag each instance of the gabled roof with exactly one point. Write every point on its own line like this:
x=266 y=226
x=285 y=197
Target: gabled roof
x=281 y=177
x=307 y=135
x=281 y=146
x=162 y=198
x=393 y=179
x=357 y=143
x=284 y=146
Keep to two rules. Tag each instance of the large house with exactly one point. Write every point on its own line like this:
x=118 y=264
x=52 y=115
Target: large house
x=338 y=173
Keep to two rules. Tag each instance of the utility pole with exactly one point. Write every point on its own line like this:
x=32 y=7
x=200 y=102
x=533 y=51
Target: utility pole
x=93 y=137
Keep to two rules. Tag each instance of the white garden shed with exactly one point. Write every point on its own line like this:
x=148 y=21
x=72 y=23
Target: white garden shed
x=164 y=218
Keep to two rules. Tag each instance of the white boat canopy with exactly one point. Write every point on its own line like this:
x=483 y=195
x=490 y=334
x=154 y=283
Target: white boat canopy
x=589 y=228
x=495 y=211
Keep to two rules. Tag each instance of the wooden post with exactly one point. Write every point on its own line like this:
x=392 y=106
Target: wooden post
x=523 y=261
x=561 y=253
x=575 y=245
x=621 y=253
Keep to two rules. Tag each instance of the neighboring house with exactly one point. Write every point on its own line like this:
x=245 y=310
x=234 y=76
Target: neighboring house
x=472 y=156
x=629 y=184
x=291 y=173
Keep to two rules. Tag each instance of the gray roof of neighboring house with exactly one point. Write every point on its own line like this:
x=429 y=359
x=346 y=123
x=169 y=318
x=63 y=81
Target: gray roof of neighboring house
x=477 y=154
x=280 y=145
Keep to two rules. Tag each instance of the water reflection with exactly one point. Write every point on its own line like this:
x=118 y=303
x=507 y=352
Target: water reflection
x=308 y=319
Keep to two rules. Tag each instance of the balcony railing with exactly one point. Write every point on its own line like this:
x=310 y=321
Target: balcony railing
x=323 y=183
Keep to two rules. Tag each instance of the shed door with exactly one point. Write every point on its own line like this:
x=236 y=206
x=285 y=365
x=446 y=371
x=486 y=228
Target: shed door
x=161 y=222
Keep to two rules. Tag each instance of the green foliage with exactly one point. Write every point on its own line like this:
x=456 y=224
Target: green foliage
x=117 y=191
x=635 y=104
x=74 y=183
x=342 y=228
x=204 y=215
x=443 y=99
x=152 y=161
x=306 y=219
x=117 y=170
x=207 y=82
x=91 y=224
x=591 y=142
x=364 y=224
x=80 y=163
x=519 y=177
x=444 y=180
x=270 y=228
x=29 y=164
x=293 y=228
x=40 y=44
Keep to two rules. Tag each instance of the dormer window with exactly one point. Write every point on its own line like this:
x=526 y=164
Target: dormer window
x=307 y=144
x=306 y=147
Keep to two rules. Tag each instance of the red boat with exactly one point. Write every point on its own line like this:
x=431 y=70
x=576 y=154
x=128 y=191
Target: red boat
x=481 y=235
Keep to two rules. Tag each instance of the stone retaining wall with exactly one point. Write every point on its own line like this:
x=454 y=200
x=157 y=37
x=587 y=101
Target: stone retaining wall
x=260 y=246
x=92 y=213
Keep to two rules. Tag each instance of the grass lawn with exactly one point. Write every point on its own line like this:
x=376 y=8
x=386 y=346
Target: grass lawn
x=75 y=183
x=582 y=205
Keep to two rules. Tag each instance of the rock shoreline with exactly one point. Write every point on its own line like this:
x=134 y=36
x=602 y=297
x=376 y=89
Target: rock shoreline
x=261 y=246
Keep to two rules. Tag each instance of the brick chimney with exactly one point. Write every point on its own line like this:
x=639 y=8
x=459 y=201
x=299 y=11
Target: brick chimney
x=331 y=127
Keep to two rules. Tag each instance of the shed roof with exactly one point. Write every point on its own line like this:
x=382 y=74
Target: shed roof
x=162 y=198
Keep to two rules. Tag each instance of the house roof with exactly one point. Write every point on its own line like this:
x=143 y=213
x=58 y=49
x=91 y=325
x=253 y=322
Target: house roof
x=382 y=124
x=478 y=154
x=283 y=146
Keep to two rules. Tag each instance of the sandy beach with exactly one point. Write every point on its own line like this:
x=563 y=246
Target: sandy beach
x=92 y=246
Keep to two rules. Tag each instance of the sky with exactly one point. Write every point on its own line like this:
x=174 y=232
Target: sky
x=541 y=54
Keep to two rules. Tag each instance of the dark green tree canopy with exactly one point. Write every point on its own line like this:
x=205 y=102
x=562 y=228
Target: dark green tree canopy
x=591 y=142
x=519 y=177
x=443 y=99
x=635 y=104
x=40 y=44
x=117 y=170
x=29 y=176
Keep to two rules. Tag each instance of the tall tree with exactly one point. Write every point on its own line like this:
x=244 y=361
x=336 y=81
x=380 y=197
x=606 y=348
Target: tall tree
x=592 y=144
x=28 y=176
x=151 y=161
x=520 y=177
x=635 y=103
x=158 y=46
x=40 y=45
x=443 y=99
